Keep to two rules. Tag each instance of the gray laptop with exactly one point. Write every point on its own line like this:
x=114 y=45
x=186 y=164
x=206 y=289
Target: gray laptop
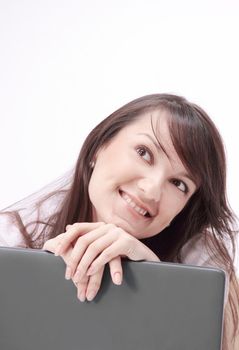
x=159 y=306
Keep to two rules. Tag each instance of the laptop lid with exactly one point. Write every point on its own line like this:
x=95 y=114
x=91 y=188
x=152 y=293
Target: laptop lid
x=159 y=306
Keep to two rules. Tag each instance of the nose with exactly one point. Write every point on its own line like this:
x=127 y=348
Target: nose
x=151 y=187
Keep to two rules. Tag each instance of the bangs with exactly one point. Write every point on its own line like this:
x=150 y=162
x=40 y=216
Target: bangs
x=191 y=140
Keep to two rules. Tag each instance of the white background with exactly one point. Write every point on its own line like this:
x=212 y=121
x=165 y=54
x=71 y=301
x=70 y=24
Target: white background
x=65 y=65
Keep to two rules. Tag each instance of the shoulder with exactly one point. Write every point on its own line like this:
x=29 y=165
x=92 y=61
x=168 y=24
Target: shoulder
x=10 y=234
x=200 y=251
x=27 y=218
x=194 y=252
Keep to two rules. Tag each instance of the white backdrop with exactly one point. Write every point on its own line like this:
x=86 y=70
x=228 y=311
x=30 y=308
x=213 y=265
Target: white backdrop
x=65 y=65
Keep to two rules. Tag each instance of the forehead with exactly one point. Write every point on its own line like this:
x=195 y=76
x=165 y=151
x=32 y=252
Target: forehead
x=156 y=125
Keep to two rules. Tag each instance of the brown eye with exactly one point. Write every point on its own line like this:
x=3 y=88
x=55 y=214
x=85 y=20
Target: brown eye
x=180 y=185
x=144 y=153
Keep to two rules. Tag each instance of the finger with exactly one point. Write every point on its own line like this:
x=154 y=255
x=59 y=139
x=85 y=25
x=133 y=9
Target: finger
x=52 y=244
x=82 y=287
x=116 y=249
x=94 y=284
x=80 y=249
x=116 y=270
x=124 y=246
x=93 y=250
x=73 y=232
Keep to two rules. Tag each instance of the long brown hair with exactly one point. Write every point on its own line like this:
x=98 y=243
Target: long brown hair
x=200 y=147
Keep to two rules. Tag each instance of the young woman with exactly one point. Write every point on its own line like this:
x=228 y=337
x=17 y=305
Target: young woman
x=150 y=183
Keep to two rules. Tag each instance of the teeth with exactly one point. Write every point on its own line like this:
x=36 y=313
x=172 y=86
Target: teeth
x=133 y=204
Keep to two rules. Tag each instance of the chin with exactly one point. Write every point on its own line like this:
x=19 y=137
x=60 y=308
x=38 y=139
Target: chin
x=115 y=221
x=124 y=225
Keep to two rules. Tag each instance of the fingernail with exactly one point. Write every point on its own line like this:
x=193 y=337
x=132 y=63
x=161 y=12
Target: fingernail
x=90 y=296
x=68 y=273
x=91 y=271
x=82 y=297
x=117 y=279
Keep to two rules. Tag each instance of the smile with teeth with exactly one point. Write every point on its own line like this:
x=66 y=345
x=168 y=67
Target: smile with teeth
x=133 y=205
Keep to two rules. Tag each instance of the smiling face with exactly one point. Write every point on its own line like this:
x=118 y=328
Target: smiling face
x=138 y=183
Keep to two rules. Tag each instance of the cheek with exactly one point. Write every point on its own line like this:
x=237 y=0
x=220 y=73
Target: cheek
x=170 y=207
x=173 y=200
x=93 y=188
x=100 y=186
x=95 y=199
x=90 y=192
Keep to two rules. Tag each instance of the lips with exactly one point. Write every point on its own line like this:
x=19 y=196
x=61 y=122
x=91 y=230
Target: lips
x=134 y=203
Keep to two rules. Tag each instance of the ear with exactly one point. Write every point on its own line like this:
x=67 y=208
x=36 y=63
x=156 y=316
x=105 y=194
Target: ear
x=92 y=164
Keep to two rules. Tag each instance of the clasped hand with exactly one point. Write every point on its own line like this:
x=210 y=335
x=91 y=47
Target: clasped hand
x=87 y=247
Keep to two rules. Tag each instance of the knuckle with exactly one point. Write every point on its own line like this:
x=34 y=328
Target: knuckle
x=83 y=266
x=94 y=248
x=95 y=284
x=73 y=261
x=76 y=226
x=129 y=246
x=80 y=271
x=83 y=279
x=129 y=251
x=106 y=255
x=129 y=240
x=119 y=232
x=81 y=285
x=82 y=242
x=110 y=226
x=101 y=223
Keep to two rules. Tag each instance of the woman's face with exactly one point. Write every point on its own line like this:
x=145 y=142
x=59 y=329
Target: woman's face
x=136 y=184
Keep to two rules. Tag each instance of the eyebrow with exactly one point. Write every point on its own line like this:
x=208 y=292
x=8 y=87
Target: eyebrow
x=188 y=177
x=160 y=148
x=157 y=144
